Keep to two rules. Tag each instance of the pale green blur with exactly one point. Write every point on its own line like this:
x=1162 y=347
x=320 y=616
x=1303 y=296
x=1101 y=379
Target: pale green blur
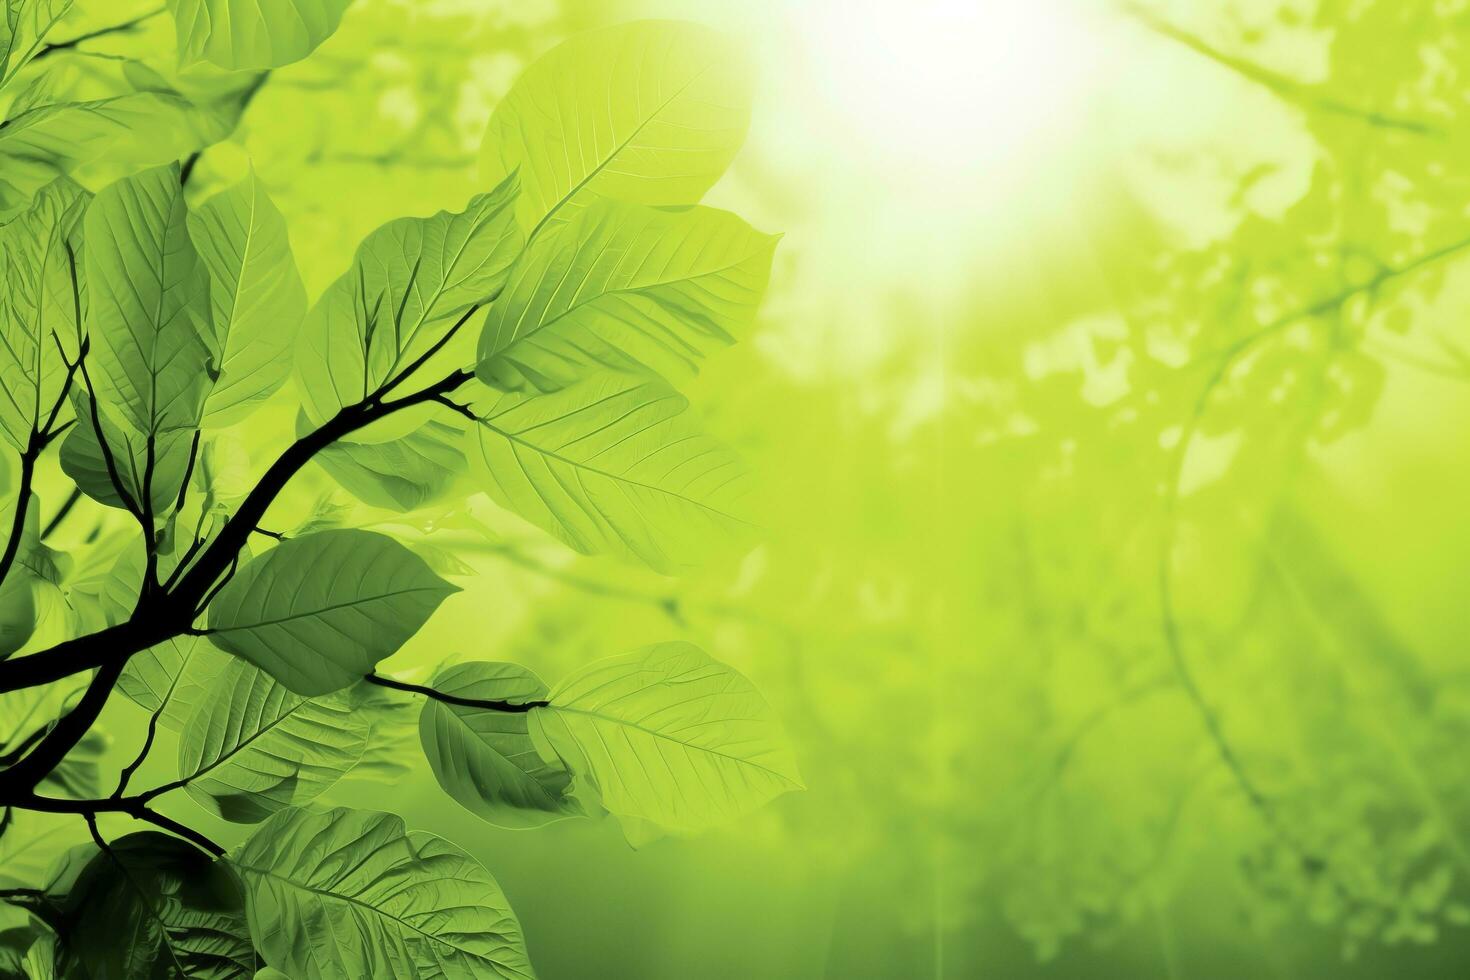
x=1005 y=298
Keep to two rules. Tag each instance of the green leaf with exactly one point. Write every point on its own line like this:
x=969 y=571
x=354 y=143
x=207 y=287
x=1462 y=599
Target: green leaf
x=153 y=905
x=257 y=295
x=82 y=459
x=96 y=138
x=613 y=464
x=318 y=612
x=670 y=736
x=626 y=288
x=404 y=474
x=349 y=894
x=78 y=775
x=14 y=942
x=487 y=760
x=37 y=303
x=253 y=34
x=153 y=346
x=650 y=112
x=409 y=282
x=30 y=844
x=18 y=607
x=26 y=25
x=40 y=958
x=252 y=747
x=176 y=674
x=17 y=611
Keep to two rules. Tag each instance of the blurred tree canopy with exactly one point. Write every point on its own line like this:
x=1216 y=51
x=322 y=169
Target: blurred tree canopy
x=1113 y=608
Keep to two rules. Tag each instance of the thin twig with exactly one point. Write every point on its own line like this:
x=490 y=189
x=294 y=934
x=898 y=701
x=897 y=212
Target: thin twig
x=125 y=27
x=62 y=512
x=513 y=707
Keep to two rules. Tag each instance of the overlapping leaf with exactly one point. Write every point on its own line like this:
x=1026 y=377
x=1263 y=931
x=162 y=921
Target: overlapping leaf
x=613 y=464
x=82 y=459
x=670 y=736
x=318 y=612
x=103 y=137
x=252 y=747
x=403 y=474
x=153 y=343
x=408 y=283
x=154 y=906
x=625 y=288
x=487 y=759
x=257 y=296
x=650 y=112
x=177 y=675
x=38 y=303
x=348 y=894
x=24 y=27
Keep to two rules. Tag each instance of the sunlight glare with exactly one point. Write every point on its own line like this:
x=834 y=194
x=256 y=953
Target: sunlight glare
x=952 y=84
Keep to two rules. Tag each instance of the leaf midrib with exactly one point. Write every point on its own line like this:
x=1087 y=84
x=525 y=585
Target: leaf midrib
x=669 y=738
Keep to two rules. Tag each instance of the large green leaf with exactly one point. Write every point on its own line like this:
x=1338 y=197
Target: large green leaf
x=613 y=464
x=154 y=906
x=252 y=747
x=670 y=736
x=37 y=303
x=153 y=344
x=487 y=759
x=257 y=295
x=350 y=894
x=408 y=283
x=651 y=112
x=404 y=474
x=253 y=33
x=626 y=288
x=318 y=612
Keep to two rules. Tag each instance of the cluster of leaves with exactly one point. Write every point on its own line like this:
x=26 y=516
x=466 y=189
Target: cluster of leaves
x=137 y=330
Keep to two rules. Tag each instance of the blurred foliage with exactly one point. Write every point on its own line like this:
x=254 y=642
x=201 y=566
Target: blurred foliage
x=1113 y=608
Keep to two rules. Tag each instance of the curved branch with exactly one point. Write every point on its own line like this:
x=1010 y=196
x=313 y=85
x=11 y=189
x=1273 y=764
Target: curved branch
x=22 y=503
x=133 y=806
x=171 y=613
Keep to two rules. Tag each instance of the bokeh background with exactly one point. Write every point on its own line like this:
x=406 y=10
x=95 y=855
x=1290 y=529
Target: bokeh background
x=1109 y=405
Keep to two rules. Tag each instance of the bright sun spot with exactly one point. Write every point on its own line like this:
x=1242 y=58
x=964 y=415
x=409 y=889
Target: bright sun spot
x=952 y=84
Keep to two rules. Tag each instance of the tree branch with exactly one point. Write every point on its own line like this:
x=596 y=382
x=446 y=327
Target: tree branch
x=22 y=503
x=124 y=28
x=26 y=773
x=133 y=806
x=61 y=512
x=1301 y=94
x=512 y=707
x=163 y=615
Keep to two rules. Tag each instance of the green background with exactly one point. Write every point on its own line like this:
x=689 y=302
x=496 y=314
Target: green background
x=1003 y=292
